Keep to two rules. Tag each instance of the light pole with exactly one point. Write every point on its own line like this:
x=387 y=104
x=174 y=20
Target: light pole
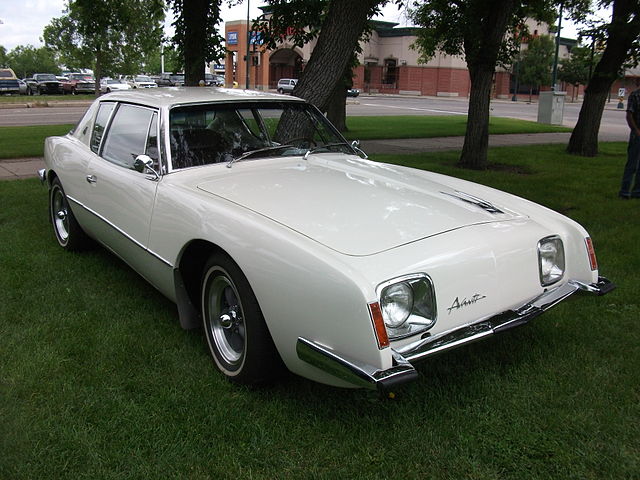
x=515 y=90
x=554 y=76
x=248 y=42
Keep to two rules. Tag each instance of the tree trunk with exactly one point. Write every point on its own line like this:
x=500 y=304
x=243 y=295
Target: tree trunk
x=337 y=107
x=336 y=43
x=584 y=138
x=622 y=33
x=476 y=137
x=195 y=18
x=481 y=53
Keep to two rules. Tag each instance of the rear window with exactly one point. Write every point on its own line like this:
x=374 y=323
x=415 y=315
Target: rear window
x=7 y=74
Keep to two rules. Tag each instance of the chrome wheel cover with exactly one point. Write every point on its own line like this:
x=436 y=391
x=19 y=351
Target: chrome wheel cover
x=224 y=317
x=60 y=214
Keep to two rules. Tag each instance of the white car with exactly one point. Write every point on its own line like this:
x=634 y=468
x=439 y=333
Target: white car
x=141 y=81
x=108 y=85
x=286 y=85
x=255 y=216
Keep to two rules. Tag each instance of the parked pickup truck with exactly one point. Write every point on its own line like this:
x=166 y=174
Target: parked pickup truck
x=42 y=83
x=79 y=83
x=8 y=81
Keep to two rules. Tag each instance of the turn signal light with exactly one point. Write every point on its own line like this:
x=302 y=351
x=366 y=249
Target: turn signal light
x=593 y=261
x=378 y=325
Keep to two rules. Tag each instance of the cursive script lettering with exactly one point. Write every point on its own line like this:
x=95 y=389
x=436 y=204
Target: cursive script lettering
x=457 y=304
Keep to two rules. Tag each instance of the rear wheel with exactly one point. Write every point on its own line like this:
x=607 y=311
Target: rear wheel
x=68 y=233
x=236 y=333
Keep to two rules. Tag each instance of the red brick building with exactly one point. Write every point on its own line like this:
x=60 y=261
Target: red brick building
x=388 y=64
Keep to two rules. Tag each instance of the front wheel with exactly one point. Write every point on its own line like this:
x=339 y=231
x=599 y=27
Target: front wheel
x=236 y=333
x=68 y=233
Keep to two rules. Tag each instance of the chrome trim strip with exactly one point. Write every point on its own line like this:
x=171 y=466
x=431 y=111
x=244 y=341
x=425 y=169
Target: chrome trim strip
x=42 y=175
x=469 y=333
x=367 y=376
x=120 y=231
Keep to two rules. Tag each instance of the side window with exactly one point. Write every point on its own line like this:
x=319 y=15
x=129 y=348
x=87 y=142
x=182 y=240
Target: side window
x=152 y=141
x=127 y=137
x=101 y=123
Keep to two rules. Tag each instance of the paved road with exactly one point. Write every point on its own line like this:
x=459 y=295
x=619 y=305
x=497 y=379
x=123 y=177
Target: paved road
x=41 y=115
x=613 y=120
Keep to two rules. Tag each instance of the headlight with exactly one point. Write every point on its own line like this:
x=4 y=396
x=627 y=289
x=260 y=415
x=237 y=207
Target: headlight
x=550 y=260
x=396 y=303
x=408 y=305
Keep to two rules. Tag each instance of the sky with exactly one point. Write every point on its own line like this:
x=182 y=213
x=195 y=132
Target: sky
x=22 y=22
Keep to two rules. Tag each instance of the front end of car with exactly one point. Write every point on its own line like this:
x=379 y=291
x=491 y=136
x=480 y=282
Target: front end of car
x=469 y=283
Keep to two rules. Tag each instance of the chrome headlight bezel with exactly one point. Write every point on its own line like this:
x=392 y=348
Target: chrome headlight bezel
x=422 y=314
x=551 y=260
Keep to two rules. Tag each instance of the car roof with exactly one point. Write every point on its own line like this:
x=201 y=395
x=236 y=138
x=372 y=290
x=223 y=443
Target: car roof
x=170 y=96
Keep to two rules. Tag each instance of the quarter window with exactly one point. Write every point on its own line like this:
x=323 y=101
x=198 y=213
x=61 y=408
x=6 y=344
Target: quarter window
x=101 y=124
x=127 y=137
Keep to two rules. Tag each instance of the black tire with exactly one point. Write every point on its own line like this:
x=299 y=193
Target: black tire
x=280 y=91
x=69 y=234
x=235 y=331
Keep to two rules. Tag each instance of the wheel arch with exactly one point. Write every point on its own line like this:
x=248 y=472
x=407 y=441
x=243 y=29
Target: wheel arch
x=187 y=275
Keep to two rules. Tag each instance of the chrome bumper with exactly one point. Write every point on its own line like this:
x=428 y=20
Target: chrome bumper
x=362 y=375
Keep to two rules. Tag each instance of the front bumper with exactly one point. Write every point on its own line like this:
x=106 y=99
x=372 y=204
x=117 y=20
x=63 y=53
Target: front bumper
x=367 y=376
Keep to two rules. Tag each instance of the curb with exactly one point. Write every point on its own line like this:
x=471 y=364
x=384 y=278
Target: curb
x=46 y=104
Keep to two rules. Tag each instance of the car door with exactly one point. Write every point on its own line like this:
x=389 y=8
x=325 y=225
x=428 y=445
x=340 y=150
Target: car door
x=120 y=197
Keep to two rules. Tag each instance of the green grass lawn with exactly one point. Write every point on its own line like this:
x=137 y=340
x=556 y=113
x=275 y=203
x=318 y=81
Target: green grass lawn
x=97 y=379
x=20 y=142
x=413 y=126
x=16 y=142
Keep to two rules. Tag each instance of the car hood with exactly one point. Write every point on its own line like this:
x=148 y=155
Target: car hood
x=353 y=206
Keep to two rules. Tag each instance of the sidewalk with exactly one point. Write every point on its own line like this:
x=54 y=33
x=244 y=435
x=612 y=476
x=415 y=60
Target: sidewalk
x=12 y=169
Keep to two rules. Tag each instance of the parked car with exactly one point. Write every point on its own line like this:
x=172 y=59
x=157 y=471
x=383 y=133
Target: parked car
x=286 y=85
x=212 y=80
x=22 y=86
x=108 y=85
x=265 y=226
x=41 y=83
x=353 y=92
x=170 y=80
x=79 y=83
x=8 y=81
x=141 y=81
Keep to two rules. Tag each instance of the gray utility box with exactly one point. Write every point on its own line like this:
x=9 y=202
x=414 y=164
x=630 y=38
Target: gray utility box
x=551 y=107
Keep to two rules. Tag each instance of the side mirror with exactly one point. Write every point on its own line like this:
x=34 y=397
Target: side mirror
x=144 y=164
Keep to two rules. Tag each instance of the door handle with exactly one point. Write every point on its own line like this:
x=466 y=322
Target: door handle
x=92 y=178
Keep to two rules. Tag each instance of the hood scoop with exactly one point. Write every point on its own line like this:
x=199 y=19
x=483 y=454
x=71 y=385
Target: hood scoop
x=478 y=202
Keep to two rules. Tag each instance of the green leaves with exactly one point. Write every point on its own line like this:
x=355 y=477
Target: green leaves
x=106 y=35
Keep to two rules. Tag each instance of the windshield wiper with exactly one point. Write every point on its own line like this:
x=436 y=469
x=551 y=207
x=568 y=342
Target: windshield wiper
x=253 y=152
x=327 y=145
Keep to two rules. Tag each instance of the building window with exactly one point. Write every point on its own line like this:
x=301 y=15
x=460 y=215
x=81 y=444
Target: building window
x=390 y=74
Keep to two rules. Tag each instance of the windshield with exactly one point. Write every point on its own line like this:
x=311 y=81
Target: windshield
x=143 y=79
x=41 y=77
x=215 y=133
